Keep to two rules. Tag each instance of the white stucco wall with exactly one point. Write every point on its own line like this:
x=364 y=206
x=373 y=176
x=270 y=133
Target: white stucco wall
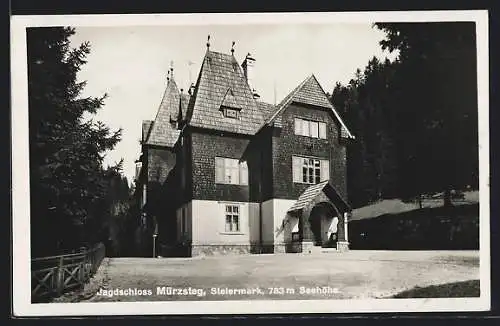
x=268 y=222
x=274 y=212
x=208 y=221
x=291 y=226
x=280 y=208
x=326 y=225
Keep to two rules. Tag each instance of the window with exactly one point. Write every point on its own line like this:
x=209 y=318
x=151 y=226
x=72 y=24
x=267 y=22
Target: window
x=232 y=218
x=309 y=128
x=310 y=170
x=231 y=171
x=231 y=113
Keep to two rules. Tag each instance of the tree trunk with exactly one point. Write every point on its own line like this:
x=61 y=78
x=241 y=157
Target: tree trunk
x=447 y=197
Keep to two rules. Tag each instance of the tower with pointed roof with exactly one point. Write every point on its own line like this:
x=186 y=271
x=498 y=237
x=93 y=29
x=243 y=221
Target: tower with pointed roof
x=224 y=172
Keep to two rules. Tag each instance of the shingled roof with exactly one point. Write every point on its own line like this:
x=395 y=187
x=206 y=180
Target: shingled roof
x=312 y=191
x=146 y=127
x=266 y=108
x=221 y=82
x=184 y=104
x=309 y=91
x=163 y=132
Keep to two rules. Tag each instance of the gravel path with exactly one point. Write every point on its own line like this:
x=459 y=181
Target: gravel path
x=351 y=275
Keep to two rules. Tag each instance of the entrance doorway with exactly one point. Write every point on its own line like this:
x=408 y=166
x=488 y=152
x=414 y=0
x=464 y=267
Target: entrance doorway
x=324 y=225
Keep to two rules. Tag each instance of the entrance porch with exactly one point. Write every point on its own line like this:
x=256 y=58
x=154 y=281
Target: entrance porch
x=320 y=216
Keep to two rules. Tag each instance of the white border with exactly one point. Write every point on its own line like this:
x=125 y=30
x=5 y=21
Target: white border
x=20 y=176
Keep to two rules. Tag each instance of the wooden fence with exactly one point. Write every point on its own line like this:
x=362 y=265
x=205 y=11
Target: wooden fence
x=52 y=276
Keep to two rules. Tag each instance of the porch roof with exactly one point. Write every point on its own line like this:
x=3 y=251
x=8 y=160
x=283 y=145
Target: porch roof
x=313 y=191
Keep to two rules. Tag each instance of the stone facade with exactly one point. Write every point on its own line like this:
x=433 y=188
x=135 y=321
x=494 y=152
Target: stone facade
x=214 y=250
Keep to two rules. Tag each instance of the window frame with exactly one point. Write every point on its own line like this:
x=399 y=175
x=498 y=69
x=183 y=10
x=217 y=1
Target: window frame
x=231 y=167
x=302 y=125
x=307 y=171
x=232 y=211
x=233 y=111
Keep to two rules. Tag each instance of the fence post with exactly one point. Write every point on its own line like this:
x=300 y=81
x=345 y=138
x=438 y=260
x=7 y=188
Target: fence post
x=60 y=276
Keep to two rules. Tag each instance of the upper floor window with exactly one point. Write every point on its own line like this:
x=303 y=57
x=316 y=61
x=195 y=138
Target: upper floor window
x=310 y=170
x=231 y=171
x=310 y=128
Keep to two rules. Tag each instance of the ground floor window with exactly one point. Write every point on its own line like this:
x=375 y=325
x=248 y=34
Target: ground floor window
x=232 y=218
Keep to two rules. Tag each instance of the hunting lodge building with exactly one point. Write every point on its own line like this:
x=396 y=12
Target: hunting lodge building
x=223 y=172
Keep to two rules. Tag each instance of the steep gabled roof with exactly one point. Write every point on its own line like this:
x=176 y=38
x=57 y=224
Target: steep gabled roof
x=146 y=127
x=309 y=194
x=266 y=108
x=309 y=91
x=230 y=101
x=184 y=103
x=220 y=73
x=163 y=132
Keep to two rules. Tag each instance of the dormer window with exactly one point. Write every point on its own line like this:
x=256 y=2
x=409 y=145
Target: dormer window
x=230 y=106
x=231 y=113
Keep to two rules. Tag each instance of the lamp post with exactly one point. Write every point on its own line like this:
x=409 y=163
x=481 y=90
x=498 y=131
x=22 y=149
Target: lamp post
x=154 y=244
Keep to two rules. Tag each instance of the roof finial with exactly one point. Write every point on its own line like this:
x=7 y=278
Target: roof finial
x=168 y=75
x=172 y=69
x=232 y=48
x=208 y=42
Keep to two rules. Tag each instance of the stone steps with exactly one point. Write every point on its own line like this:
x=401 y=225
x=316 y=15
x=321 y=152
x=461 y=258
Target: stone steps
x=321 y=250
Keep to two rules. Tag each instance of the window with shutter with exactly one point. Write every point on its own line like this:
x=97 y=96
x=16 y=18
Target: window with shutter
x=314 y=129
x=309 y=128
x=325 y=170
x=230 y=171
x=219 y=170
x=297 y=169
x=305 y=128
x=298 y=126
x=310 y=170
x=233 y=171
x=243 y=173
x=322 y=130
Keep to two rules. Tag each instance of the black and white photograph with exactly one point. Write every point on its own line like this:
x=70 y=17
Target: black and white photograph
x=250 y=163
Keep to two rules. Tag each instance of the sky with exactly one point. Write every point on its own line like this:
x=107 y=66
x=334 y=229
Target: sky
x=130 y=64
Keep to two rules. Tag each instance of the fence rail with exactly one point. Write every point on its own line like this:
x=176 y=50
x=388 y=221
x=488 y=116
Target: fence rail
x=52 y=276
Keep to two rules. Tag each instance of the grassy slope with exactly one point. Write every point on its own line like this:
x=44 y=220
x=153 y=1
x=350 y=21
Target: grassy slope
x=396 y=206
x=394 y=225
x=450 y=290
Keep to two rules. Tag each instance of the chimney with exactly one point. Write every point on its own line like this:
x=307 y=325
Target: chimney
x=191 y=89
x=247 y=66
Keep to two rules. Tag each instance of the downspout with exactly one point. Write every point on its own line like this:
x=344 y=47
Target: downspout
x=260 y=200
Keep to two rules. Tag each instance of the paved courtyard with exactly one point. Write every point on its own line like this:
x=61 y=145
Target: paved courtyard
x=351 y=275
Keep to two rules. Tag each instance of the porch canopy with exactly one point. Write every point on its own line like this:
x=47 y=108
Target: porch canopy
x=323 y=188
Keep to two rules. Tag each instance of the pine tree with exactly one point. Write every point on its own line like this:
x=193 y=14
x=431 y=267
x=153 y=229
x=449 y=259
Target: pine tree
x=436 y=95
x=66 y=147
